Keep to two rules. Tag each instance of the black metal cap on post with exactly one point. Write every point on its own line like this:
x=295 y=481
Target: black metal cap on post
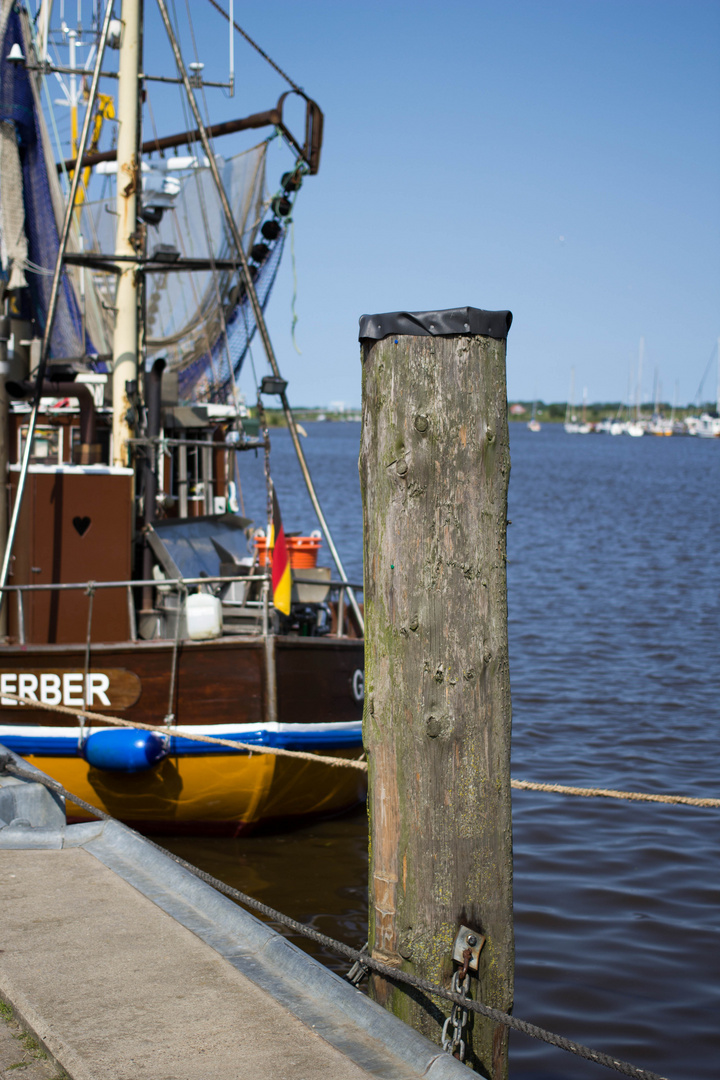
x=463 y=320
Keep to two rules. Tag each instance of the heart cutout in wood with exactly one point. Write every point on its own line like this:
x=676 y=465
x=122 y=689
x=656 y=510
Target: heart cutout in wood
x=81 y=525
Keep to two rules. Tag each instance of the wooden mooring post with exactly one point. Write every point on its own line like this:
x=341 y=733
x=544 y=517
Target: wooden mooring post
x=434 y=468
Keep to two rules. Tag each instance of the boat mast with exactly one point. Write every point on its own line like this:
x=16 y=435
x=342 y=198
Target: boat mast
x=641 y=352
x=570 y=407
x=125 y=339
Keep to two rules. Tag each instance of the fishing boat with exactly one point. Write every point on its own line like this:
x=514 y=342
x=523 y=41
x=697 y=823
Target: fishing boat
x=133 y=586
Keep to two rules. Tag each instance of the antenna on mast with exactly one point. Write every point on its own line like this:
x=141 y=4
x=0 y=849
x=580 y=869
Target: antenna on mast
x=231 y=39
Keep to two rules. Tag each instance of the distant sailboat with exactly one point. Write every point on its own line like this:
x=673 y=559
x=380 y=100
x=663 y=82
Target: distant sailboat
x=636 y=428
x=572 y=425
x=708 y=426
x=571 y=421
x=533 y=422
x=584 y=428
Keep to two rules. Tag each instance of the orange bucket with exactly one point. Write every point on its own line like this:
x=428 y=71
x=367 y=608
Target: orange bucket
x=261 y=547
x=303 y=551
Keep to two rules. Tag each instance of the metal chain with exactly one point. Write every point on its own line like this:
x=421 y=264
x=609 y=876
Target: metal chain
x=386 y=970
x=457 y=1020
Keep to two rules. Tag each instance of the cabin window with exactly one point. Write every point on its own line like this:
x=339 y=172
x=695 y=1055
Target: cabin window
x=47 y=445
x=102 y=437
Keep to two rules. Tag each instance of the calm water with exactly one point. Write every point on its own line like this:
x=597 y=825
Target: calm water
x=613 y=593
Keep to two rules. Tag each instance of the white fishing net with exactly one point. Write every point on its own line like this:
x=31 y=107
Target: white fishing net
x=187 y=311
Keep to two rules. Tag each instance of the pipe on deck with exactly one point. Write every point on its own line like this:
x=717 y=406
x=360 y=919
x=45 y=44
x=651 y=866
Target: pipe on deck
x=89 y=447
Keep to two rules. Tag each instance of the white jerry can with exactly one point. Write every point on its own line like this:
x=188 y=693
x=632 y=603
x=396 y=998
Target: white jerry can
x=204 y=616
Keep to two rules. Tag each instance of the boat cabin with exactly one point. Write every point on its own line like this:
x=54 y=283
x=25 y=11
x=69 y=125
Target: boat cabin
x=154 y=552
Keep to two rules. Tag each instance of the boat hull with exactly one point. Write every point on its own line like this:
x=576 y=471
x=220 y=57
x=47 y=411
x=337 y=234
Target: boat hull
x=217 y=682
x=212 y=794
x=221 y=690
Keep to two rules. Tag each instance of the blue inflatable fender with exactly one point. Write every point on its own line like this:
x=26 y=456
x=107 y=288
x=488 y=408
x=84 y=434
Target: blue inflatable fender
x=125 y=749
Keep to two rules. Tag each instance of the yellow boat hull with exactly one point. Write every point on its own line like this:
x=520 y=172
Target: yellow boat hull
x=220 y=794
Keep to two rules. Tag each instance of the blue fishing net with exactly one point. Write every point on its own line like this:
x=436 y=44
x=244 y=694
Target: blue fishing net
x=18 y=105
x=212 y=369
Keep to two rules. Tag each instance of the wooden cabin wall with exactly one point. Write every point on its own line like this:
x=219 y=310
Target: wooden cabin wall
x=73 y=527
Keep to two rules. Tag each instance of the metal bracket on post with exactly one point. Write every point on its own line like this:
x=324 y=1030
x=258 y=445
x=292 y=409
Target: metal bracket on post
x=466 y=951
x=468 y=939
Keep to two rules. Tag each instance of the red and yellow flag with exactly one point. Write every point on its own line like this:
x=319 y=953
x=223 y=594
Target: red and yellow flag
x=281 y=578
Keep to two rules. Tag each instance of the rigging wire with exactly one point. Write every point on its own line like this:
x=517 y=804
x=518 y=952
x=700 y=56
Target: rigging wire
x=216 y=381
x=293 y=309
x=231 y=369
x=154 y=125
x=200 y=322
x=206 y=226
x=257 y=49
x=257 y=309
x=51 y=111
x=248 y=335
x=203 y=317
x=705 y=375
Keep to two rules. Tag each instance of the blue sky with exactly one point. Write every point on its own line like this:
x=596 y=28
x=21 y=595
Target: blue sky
x=558 y=158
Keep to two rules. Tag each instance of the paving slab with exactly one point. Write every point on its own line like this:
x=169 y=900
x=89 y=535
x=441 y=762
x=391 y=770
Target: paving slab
x=118 y=990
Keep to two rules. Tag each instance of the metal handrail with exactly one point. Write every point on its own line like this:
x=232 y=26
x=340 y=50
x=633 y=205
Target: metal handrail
x=169 y=583
x=250 y=443
x=179 y=585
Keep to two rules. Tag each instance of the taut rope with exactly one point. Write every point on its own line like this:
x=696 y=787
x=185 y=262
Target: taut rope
x=361 y=766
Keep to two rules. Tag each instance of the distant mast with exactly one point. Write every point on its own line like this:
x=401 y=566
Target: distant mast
x=125 y=340
x=570 y=407
x=641 y=353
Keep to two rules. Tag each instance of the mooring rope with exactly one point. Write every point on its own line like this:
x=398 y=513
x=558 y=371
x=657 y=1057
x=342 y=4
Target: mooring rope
x=353 y=763
x=386 y=970
x=609 y=793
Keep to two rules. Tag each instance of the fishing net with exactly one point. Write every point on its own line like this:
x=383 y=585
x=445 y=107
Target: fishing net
x=41 y=198
x=210 y=376
x=200 y=321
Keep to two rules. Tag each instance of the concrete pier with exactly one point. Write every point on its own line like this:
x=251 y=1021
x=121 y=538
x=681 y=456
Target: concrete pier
x=127 y=967
x=19 y=1050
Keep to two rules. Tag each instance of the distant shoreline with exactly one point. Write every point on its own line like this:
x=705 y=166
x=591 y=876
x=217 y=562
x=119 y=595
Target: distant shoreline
x=554 y=413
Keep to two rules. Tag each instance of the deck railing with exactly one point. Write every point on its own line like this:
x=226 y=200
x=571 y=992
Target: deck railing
x=182 y=585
